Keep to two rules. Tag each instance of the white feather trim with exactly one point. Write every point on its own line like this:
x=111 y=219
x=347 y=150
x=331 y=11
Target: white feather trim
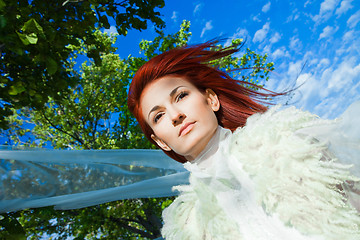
x=295 y=177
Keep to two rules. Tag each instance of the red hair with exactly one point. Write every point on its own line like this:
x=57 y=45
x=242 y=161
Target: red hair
x=237 y=100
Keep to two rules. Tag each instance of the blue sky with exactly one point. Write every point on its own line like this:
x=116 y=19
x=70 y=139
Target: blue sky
x=322 y=34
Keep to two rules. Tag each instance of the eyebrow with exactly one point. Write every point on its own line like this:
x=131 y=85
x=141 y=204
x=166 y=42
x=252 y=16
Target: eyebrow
x=172 y=93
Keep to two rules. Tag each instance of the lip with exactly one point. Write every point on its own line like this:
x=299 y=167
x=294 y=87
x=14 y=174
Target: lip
x=186 y=128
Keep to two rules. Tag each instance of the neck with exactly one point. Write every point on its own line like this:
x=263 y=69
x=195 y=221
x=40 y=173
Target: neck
x=206 y=157
x=194 y=156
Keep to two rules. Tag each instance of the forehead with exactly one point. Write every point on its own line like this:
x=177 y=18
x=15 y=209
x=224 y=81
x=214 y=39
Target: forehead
x=163 y=86
x=166 y=83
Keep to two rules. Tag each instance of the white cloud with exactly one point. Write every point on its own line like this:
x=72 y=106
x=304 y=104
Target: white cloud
x=295 y=69
x=313 y=61
x=261 y=34
x=348 y=36
x=309 y=87
x=344 y=7
x=324 y=62
x=197 y=8
x=256 y=18
x=322 y=90
x=354 y=19
x=280 y=53
x=289 y=18
x=303 y=78
x=266 y=48
x=294 y=15
x=266 y=7
x=295 y=44
x=174 y=16
x=326 y=10
x=111 y=30
x=275 y=38
x=331 y=74
x=307 y=3
x=349 y=45
x=328 y=31
x=324 y=94
x=344 y=76
x=208 y=26
x=328 y=5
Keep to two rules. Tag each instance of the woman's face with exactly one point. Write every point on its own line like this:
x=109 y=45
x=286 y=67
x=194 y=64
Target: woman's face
x=182 y=117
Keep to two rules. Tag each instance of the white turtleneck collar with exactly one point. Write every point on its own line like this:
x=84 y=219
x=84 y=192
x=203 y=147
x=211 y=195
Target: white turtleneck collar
x=207 y=156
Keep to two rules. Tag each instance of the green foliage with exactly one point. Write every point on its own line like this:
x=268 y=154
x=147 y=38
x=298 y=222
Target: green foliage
x=249 y=67
x=11 y=228
x=93 y=115
x=164 y=43
x=127 y=219
x=34 y=40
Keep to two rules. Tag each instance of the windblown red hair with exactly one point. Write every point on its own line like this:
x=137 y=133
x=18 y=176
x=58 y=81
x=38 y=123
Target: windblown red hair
x=237 y=100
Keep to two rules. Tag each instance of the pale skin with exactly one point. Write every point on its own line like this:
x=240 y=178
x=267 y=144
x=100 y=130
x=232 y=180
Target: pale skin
x=182 y=118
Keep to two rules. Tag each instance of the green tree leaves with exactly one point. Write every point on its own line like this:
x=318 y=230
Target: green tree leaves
x=34 y=40
x=30 y=32
x=12 y=227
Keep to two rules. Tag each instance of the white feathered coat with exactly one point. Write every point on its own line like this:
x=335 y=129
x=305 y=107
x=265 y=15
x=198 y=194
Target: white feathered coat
x=267 y=180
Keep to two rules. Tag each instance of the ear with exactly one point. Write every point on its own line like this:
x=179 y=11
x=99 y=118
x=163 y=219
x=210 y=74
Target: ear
x=212 y=99
x=160 y=143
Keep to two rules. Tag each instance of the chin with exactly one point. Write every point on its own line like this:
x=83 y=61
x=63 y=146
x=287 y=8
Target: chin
x=196 y=148
x=194 y=142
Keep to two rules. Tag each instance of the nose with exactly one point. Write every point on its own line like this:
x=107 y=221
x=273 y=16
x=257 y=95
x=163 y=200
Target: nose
x=178 y=118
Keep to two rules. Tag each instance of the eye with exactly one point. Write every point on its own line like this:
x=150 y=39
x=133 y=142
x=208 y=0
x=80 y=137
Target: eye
x=181 y=95
x=157 y=117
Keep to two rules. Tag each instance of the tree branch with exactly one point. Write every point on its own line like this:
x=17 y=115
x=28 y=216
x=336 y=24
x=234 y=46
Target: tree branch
x=133 y=229
x=59 y=129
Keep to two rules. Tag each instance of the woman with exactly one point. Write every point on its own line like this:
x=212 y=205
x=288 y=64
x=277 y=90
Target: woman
x=256 y=173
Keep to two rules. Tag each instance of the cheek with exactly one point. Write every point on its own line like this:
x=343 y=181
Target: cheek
x=163 y=129
x=203 y=109
x=197 y=103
